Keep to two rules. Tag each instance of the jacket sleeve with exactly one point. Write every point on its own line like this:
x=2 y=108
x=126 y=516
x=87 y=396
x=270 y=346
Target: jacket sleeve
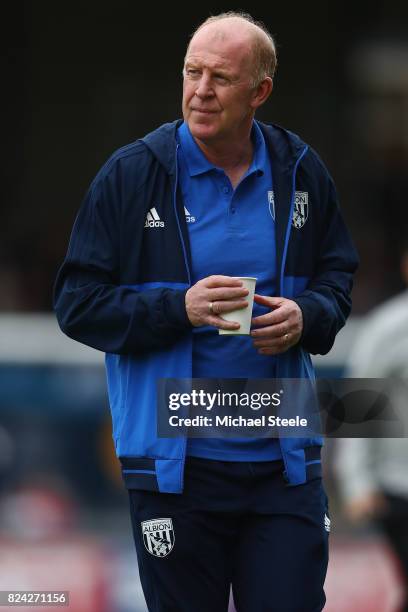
x=92 y=306
x=326 y=302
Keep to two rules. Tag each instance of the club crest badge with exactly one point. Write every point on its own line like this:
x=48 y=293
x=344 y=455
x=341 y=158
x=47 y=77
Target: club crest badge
x=301 y=209
x=271 y=202
x=158 y=536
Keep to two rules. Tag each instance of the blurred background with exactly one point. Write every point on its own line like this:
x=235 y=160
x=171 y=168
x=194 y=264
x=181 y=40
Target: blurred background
x=79 y=81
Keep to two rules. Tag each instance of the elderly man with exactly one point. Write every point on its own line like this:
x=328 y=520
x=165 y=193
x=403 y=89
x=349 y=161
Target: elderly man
x=168 y=224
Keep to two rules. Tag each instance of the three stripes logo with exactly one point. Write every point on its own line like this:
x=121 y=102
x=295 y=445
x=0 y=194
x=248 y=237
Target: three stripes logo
x=189 y=218
x=327 y=523
x=153 y=219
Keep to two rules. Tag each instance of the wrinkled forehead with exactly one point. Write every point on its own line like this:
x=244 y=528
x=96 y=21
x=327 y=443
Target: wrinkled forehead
x=222 y=44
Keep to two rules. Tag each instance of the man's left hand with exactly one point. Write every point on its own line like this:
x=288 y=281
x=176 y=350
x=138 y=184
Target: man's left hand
x=280 y=329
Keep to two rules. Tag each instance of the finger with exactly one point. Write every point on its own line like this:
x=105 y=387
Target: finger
x=279 y=342
x=280 y=315
x=272 y=350
x=266 y=300
x=220 y=323
x=227 y=306
x=267 y=342
x=222 y=293
x=217 y=280
x=271 y=331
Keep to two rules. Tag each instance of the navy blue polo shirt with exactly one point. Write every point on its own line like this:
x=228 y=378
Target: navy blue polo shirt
x=232 y=232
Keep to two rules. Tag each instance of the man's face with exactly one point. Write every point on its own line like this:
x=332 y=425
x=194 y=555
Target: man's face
x=217 y=89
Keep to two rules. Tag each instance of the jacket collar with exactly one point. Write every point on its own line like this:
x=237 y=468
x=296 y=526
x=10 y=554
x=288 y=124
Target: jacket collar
x=284 y=146
x=162 y=143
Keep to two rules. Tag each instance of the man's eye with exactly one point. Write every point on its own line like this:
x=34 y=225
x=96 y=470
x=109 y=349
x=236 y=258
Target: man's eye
x=220 y=78
x=192 y=72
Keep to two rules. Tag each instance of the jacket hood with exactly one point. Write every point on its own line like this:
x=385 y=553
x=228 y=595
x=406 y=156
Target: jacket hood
x=161 y=143
x=284 y=146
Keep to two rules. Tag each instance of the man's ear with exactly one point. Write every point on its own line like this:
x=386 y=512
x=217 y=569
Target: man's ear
x=262 y=92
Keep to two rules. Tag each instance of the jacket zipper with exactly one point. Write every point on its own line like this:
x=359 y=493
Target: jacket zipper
x=288 y=227
x=177 y=218
x=184 y=440
x=282 y=270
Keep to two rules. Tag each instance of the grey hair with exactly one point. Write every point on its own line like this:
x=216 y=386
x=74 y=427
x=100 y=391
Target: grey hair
x=264 y=51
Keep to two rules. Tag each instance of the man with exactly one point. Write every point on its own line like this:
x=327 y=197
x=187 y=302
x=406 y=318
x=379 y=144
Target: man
x=167 y=224
x=372 y=472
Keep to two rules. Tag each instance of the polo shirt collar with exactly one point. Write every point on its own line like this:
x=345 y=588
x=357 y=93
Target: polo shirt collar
x=197 y=163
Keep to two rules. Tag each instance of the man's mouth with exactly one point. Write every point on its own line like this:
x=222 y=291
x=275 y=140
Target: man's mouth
x=203 y=111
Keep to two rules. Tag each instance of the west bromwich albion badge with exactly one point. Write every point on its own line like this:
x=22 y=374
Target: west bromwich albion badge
x=301 y=209
x=158 y=536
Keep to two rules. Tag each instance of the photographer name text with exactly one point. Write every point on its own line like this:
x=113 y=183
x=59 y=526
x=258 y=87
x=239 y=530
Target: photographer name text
x=238 y=421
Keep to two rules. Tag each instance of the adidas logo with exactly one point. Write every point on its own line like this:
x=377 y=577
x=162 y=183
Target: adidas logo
x=327 y=522
x=189 y=218
x=153 y=219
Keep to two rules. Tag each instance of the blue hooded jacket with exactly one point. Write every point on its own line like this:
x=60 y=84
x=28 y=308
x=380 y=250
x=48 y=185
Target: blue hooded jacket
x=121 y=289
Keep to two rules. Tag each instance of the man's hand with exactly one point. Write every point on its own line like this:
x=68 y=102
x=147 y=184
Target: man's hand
x=280 y=329
x=211 y=297
x=368 y=506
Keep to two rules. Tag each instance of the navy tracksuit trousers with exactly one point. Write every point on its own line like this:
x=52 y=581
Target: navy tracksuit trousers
x=239 y=524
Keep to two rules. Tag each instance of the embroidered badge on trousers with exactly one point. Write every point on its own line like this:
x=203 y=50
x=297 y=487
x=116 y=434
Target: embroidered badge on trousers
x=158 y=536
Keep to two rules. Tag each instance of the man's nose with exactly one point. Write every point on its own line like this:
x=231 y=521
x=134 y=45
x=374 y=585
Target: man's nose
x=204 y=87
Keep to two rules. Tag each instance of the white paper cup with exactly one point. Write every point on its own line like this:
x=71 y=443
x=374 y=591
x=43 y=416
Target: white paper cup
x=242 y=316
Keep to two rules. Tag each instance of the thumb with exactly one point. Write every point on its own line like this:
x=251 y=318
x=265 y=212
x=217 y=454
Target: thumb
x=272 y=302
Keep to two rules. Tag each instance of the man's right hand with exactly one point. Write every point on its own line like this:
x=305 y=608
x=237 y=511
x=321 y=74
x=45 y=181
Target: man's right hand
x=211 y=297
